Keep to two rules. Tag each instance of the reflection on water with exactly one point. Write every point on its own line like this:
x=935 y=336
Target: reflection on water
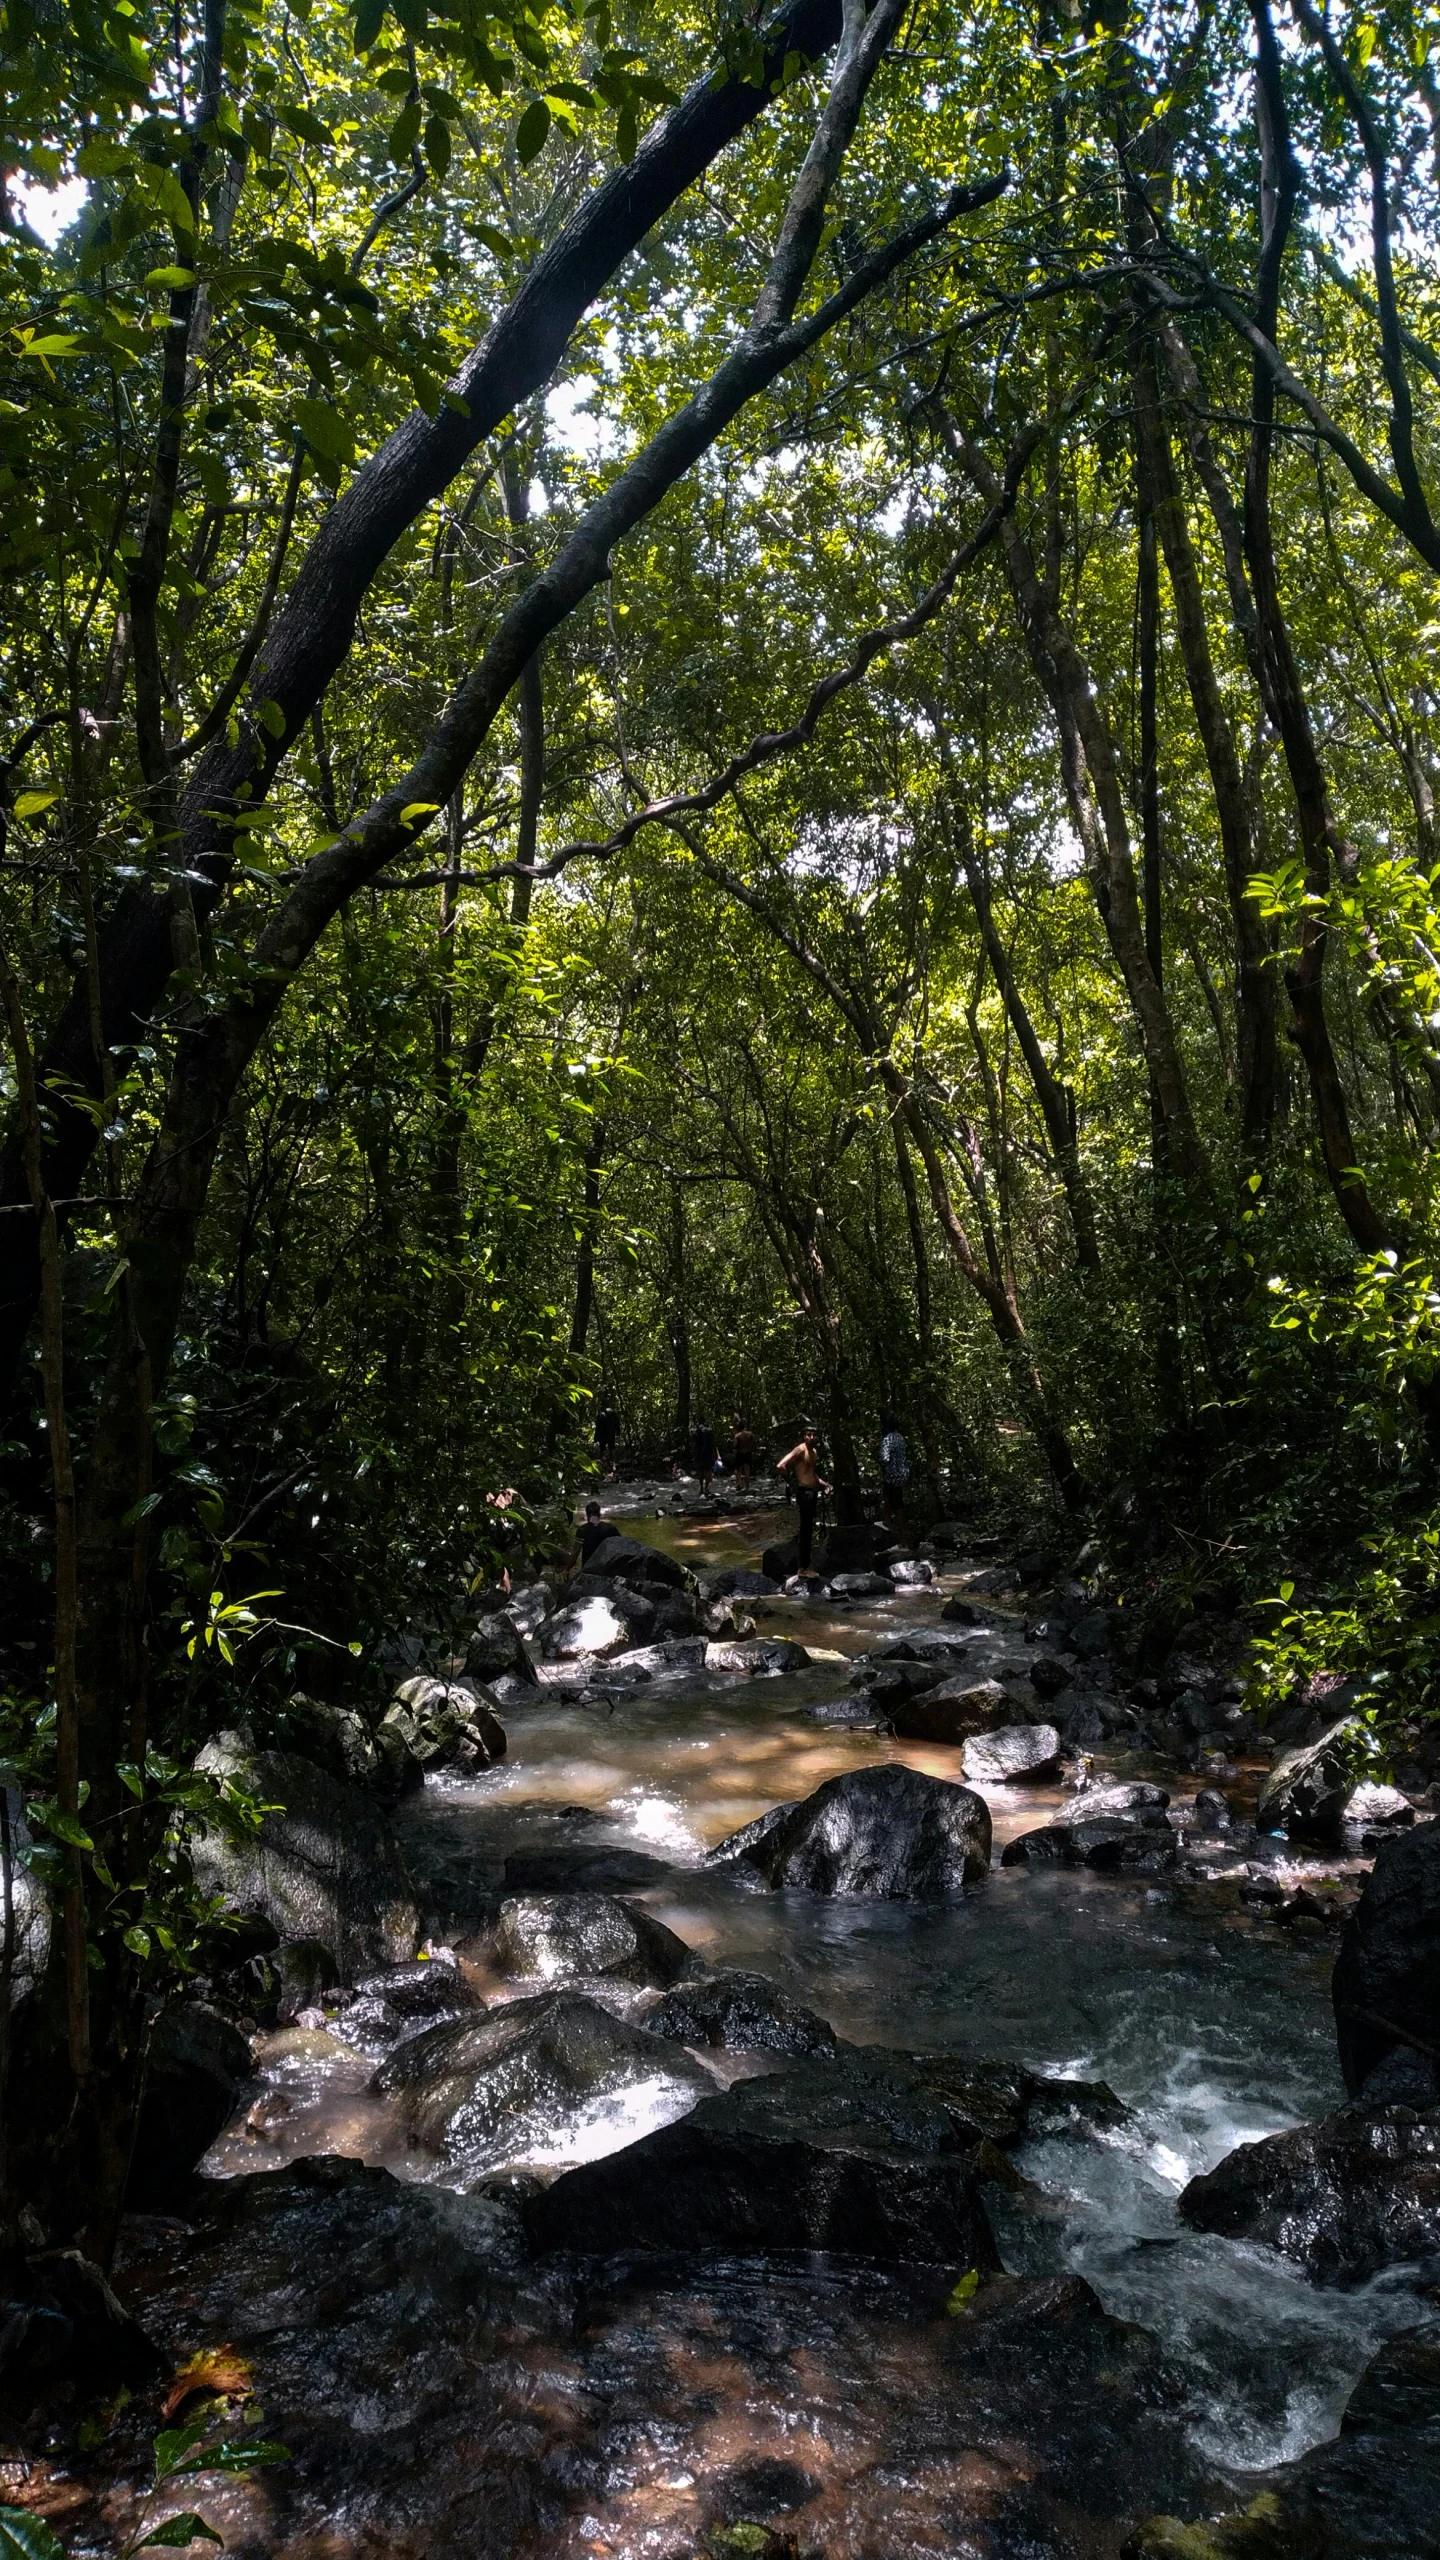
x=1210 y=2031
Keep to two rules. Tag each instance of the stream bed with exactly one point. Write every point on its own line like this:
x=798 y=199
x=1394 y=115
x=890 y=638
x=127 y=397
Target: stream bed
x=823 y=2396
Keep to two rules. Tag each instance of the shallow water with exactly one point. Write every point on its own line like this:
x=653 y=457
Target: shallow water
x=1212 y=2029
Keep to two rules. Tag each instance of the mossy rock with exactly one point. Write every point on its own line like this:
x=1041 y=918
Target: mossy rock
x=1258 y=2534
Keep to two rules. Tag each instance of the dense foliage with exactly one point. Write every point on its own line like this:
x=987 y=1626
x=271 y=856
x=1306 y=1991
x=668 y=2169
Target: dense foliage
x=456 y=963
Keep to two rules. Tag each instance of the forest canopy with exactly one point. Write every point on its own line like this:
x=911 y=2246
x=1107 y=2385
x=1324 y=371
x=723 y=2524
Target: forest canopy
x=732 y=714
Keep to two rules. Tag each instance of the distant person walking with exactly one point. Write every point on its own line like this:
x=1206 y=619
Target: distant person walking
x=894 y=1469
x=744 y=1452
x=802 y=1465
x=607 y=1440
x=705 y=1453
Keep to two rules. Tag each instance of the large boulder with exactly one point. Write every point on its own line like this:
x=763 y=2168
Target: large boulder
x=336 y=1738
x=953 y=1711
x=637 y=1608
x=1387 y=1976
x=851 y=1547
x=563 y=1937
x=780 y=1560
x=323 y=1865
x=757 y=1657
x=888 y=1833
x=1305 y=1791
x=741 y=2012
x=1136 y=1841
x=198 y=2063
x=1012 y=1753
x=529 y=2079
x=496 y=1651
x=586 y=1631
x=443 y=1724
x=1345 y=2197
x=813 y=2158
x=630 y=1560
x=738 y=1581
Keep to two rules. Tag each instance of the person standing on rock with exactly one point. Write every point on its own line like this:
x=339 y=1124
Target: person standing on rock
x=744 y=1451
x=705 y=1453
x=607 y=1440
x=894 y=1469
x=802 y=1466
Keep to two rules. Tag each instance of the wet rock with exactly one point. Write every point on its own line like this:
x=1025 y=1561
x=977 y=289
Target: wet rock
x=954 y=1711
x=780 y=1561
x=890 y=1678
x=1090 y=1634
x=1372 y=1812
x=962 y=1613
x=1344 y=2197
x=1012 y=1752
x=336 y=1738
x=637 y=1608
x=60 y=2318
x=1370 y=2493
x=860 y=1586
x=910 y=1573
x=586 y=1630
x=743 y=2012
x=1120 y=1795
x=306 y=1971
x=326 y=1866
x=856 y=1712
x=677 y=1653
x=1138 y=1842
x=851 y=1547
x=404 y=2000
x=1387 y=1975
x=521 y=2078
x=630 y=1560
x=757 y=1657
x=996 y=1578
x=199 y=2062
x=738 y=1580
x=444 y=1724
x=497 y=1651
x=888 y=1833
x=581 y=1869
x=528 y=1608
x=1210 y=1811
x=811 y=2159
x=562 y=1937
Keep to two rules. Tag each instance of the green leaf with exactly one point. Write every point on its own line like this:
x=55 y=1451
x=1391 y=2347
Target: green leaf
x=24 y=2536
x=305 y=127
x=63 y=1826
x=369 y=19
x=627 y=133
x=531 y=131
x=170 y=279
x=176 y=2531
x=102 y=159
x=273 y=717
x=417 y=809
x=405 y=133
x=138 y=1941
x=963 y=2292
x=30 y=803
x=325 y=430
x=437 y=146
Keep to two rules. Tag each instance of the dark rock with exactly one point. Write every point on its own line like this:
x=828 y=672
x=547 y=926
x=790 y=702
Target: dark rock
x=61 y=2320
x=860 y=1586
x=676 y=1653
x=738 y=1580
x=851 y=1547
x=1048 y=1677
x=1090 y=1634
x=910 y=1573
x=335 y=1738
x=1371 y=1807
x=742 y=2012
x=1387 y=1975
x=1138 y=1843
x=1344 y=2197
x=1120 y=1795
x=962 y=1613
x=199 y=2062
x=1210 y=1811
x=325 y=1867
x=583 y=1869
x=997 y=1578
x=630 y=1560
x=957 y=1709
x=306 y=1970
x=890 y=1677
x=404 y=2000
x=844 y=1711
x=1010 y=1753
x=491 y=2089
x=810 y=2159
x=780 y=1561
x=565 y=1936
x=637 y=1608
x=586 y=1630
x=887 y=1832
x=496 y=1651
x=757 y=1657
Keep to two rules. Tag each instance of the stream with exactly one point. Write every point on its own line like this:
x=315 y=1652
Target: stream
x=1210 y=2027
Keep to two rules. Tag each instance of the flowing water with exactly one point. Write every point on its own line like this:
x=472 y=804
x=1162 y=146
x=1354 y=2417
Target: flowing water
x=1211 y=2028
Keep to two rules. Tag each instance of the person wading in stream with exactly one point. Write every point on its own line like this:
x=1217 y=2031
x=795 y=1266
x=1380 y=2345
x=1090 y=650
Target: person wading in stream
x=802 y=1465
x=744 y=1451
x=705 y=1450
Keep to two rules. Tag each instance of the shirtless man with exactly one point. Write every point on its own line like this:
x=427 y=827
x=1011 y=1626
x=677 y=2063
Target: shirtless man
x=744 y=1451
x=802 y=1465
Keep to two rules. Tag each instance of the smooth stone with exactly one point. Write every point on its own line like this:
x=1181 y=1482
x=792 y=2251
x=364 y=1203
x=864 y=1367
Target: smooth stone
x=1011 y=1753
x=486 y=2090
x=955 y=1711
x=1345 y=2197
x=1386 y=1984
x=1138 y=1843
x=742 y=2012
x=888 y=1832
x=811 y=2158
x=403 y=2000
x=630 y=1560
x=565 y=1936
x=585 y=1631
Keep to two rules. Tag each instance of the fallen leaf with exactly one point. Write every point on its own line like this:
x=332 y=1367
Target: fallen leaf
x=217 y=2369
